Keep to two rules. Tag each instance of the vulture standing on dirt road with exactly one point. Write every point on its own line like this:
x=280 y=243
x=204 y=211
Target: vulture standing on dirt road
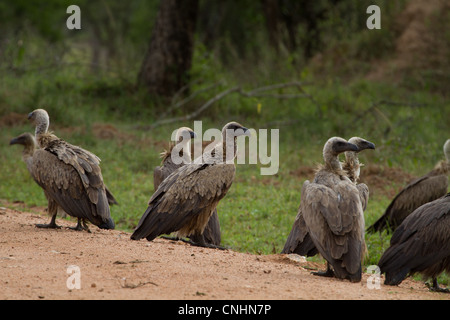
x=333 y=214
x=70 y=176
x=299 y=241
x=186 y=199
x=29 y=142
x=30 y=145
x=421 y=244
x=430 y=187
x=183 y=137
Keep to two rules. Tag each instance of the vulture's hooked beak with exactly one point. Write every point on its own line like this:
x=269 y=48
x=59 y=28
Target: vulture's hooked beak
x=343 y=146
x=14 y=141
x=193 y=134
x=30 y=115
x=246 y=132
x=346 y=146
x=365 y=145
x=370 y=145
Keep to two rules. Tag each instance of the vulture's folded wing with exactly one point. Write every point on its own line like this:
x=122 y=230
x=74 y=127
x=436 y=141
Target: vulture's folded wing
x=183 y=196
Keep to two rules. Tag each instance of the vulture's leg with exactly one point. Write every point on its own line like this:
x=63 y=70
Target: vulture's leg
x=85 y=226
x=171 y=238
x=329 y=273
x=51 y=225
x=435 y=287
x=52 y=210
x=80 y=226
x=201 y=243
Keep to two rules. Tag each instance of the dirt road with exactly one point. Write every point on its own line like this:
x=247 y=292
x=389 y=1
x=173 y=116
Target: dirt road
x=35 y=264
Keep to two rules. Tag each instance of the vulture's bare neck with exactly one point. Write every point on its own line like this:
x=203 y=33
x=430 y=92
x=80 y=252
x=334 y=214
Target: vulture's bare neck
x=187 y=152
x=28 y=152
x=41 y=128
x=447 y=151
x=41 y=132
x=229 y=148
x=332 y=163
x=444 y=166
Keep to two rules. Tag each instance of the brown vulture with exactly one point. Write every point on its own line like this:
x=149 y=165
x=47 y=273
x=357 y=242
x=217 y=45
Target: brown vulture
x=70 y=176
x=333 y=214
x=183 y=136
x=420 y=244
x=30 y=145
x=299 y=241
x=427 y=188
x=186 y=199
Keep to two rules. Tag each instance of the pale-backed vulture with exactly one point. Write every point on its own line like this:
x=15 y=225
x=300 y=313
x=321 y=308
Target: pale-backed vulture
x=333 y=214
x=186 y=199
x=183 y=137
x=421 y=244
x=427 y=188
x=299 y=240
x=70 y=176
x=29 y=143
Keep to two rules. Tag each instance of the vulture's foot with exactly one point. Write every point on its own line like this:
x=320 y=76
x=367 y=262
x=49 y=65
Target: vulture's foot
x=206 y=245
x=51 y=225
x=436 y=288
x=329 y=273
x=80 y=226
x=172 y=238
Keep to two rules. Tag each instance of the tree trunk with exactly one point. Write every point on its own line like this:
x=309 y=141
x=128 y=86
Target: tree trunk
x=168 y=60
x=271 y=12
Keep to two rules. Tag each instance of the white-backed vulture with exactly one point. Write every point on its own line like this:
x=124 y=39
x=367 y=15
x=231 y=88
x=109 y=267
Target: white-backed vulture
x=333 y=214
x=211 y=234
x=70 y=176
x=427 y=188
x=29 y=143
x=186 y=199
x=420 y=244
x=299 y=240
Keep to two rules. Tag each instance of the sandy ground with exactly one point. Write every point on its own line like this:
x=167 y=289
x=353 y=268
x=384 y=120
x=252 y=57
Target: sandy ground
x=34 y=264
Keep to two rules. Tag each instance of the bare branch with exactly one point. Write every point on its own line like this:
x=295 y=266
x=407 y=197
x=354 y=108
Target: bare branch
x=280 y=86
x=183 y=89
x=258 y=92
x=190 y=98
x=195 y=113
x=277 y=96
